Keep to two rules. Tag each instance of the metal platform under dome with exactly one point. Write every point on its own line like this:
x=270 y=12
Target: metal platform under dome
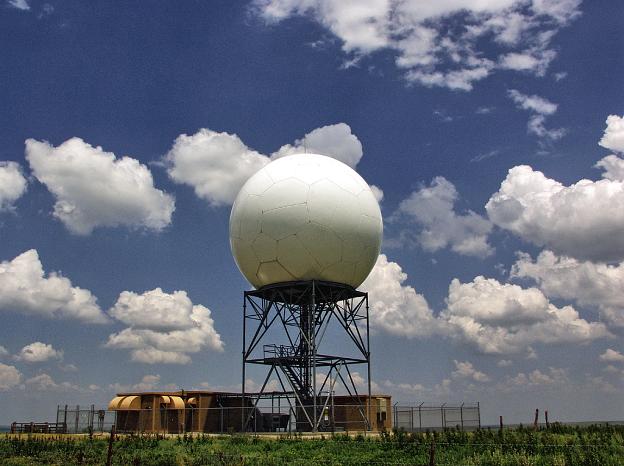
x=284 y=326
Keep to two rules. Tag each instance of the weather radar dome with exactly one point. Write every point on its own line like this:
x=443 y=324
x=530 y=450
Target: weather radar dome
x=305 y=217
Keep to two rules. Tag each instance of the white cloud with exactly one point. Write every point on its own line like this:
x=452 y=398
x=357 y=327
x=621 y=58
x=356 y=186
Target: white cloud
x=377 y=192
x=559 y=10
x=554 y=378
x=38 y=352
x=394 y=307
x=536 y=126
x=502 y=318
x=217 y=165
x=443 y=43
x=465 y=370
x=163 y=327
x=588 y=284
x=541 y=108
x=9 y=377
x=494 y=317
x=148 y=382
x=19 y=4
x=24 y=288
x=44 y=383
x=611 y=355
x=613 y=137
x=335 y=141
x=533 y=103
x=584 y=220
x=559 y=76
x=12 y=184
x=613 y=167
x=95 y=189
x=485 y=155
x=410 y=389
x=432 y=208
x=504 y=363
x=594 y=384
x=3 y=351
x=68 y=367
x=535 y=60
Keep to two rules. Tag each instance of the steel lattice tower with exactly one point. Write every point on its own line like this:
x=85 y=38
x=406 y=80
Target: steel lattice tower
x=298 y=315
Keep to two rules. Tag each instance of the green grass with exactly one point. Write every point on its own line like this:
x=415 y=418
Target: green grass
x=560 y=445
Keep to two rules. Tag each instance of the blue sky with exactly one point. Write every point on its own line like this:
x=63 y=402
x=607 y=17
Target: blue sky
x=500 y=278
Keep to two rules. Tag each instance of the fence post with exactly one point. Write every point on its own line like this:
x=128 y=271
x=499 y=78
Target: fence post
x=77 y=418
x=432 y=453
x=420 y=417
x=546 y=416
x=536 y=419
x=479 y=414
x=461 y=416
x=500 y=422
x=91 y=418
x=65 y=419
x=111 y=439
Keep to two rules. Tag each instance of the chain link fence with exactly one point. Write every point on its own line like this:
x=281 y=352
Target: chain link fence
x=465 y=416
x=417 y=418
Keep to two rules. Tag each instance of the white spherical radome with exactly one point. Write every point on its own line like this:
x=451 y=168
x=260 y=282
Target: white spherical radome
x=305 y=217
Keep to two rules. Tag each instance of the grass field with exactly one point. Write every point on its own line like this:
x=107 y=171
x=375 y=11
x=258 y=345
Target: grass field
x=560 y=445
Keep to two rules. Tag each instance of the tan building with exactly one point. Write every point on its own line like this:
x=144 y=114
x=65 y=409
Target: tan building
x=203 y=411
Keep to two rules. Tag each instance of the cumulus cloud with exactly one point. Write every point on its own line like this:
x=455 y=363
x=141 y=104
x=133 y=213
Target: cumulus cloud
x=613 y=167
x=25 y=288
x=432 y=209
x=540 y=109
x=163 y=327
x=493 y=317
x=217 y=164
x=610 y=355
x=9 y=377
x=501 y=318
x=613 y=137
x=44 y=383
x=465 y=370
x=95 y=189
x=12 y=184
x=394 y=307
x=584 y=220
x=336 y=141
x=38 y=352
x=589 y=284
x=553 y=377
x=450 y=43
